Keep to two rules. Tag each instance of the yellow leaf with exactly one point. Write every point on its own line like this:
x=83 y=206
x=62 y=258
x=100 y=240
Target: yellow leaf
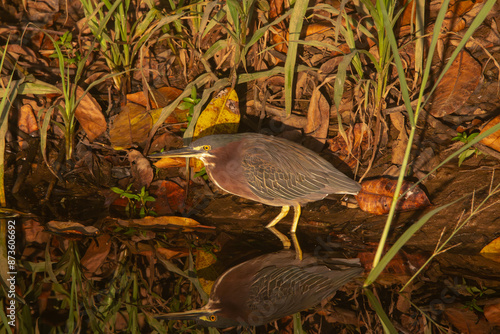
x=492 y=250
x=205 y=260
x=222 y=115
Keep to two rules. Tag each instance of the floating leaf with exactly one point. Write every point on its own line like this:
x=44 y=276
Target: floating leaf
x=376 y=196
x=170 y=197
x=204 y=262
x=72 y=229
x=96 y=254
x=163 y=222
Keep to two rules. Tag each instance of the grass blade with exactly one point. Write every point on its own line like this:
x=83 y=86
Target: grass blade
x=295 y=27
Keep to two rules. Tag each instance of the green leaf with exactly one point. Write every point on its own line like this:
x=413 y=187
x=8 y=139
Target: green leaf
x=295 y=27
x=403 y=239
x=465 y=155
x=117 y=190
x=384 y=319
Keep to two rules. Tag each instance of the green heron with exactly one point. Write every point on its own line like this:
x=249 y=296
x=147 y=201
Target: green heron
x=266 y=169
x=270 y=287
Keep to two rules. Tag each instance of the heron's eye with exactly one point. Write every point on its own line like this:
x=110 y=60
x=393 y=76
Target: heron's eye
x=206 y=147
x=213 y=317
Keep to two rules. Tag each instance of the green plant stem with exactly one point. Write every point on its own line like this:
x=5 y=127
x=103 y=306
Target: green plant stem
x=395 y=198
x=441 y=248
x=295 y=27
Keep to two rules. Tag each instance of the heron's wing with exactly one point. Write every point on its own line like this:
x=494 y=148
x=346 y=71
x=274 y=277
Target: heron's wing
x=277 y=169
x=278 y=292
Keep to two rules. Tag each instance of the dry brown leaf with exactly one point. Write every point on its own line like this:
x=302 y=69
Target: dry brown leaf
x=358 y=137
x=170 y=254
x=89 y=115
x=398 y=270
x=170 y=197
x=167 y=162
x=453 y=19
x=27 y=121
x=276 y=8
x=130 y=127
x=456 y=86
x=96 y=254
x=318 y=28
x=72 y=229
x=141 y=169
x=399 y=145
x=159 y=222
x=318 y=116
x=492 y=314
x=466 y=321
x=409 y=14
x=160 y=97
x=166 y=140
x=34 y=232
x=493 y=140
x=27 y=54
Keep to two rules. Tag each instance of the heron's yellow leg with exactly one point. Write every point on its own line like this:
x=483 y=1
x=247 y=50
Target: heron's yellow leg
x=296 y=216
x=284 y=240
x=283 y=213
x=298 y=250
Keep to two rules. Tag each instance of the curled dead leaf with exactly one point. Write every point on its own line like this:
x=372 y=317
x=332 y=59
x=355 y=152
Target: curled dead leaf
x=170 y=254
x=141 y=169
x=376 y=196
x=358 y=138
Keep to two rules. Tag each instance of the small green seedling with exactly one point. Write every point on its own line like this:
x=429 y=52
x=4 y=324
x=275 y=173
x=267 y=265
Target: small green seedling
x=464 y=138
x=136 y=200
x=188 y=103
x=476 y=293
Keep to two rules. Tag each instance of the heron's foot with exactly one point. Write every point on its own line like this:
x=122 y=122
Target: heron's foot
x=283 y=213
x=296 y=245
x=283 y=238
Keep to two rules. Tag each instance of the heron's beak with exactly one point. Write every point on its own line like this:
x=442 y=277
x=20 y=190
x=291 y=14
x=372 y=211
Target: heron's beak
x=185 y=152
x=188 y=315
